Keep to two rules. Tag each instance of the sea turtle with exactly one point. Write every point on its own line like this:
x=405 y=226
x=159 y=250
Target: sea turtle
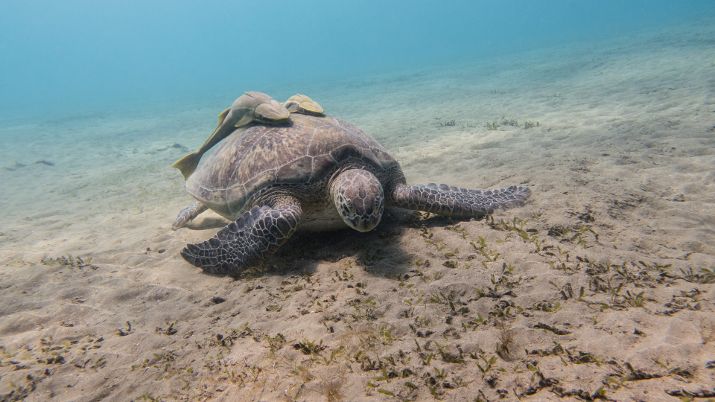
x=316 y=173
x=247 y=108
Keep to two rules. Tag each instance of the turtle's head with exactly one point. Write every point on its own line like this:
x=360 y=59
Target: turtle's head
x=359 y=199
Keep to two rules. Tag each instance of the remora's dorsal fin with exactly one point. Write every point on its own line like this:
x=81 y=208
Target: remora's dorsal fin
x=222 y=116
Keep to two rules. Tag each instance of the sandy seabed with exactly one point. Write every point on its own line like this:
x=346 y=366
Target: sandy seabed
x=601 y=287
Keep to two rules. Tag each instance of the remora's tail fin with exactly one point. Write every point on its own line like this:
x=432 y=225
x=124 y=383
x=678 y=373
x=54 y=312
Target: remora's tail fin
x=187 y=164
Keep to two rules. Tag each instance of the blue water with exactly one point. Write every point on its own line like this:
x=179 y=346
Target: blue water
x=64 y=58
x=605 y=109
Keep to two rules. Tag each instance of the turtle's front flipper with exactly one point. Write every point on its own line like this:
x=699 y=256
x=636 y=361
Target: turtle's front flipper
x=188 y=214
x=253 y=236
x=457 y=202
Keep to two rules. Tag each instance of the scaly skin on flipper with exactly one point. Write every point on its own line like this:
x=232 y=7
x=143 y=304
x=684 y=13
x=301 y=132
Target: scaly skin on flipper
x=249 y=107
x=457 y=202
x=302 y=104
x=254 y=235
x=188 y=214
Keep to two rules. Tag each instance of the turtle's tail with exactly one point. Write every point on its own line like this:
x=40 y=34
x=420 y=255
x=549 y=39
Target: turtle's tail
x=187 y=164
x=457 y=202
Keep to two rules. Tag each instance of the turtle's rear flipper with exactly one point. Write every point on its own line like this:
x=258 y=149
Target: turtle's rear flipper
x=457 y=202
x=253 y=236
x=188 y=214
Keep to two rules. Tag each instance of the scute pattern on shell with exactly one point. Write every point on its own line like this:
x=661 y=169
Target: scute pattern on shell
x=254 y=157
